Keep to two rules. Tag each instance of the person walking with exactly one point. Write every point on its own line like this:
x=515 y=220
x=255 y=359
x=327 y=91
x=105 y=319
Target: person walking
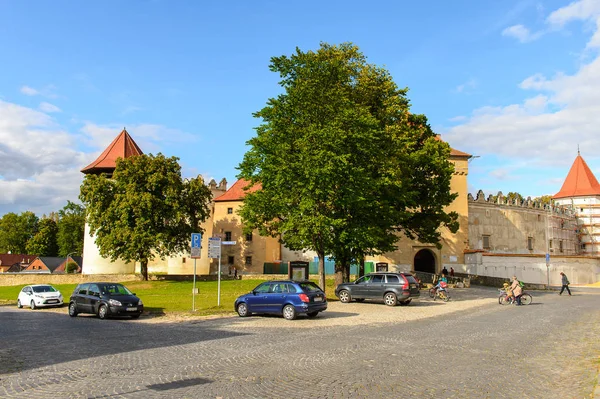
x=235 y=273
x=516 y=290
x=565 y=284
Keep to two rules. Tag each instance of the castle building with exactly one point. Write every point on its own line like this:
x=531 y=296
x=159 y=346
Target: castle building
x=581 y=191
x=249 y=253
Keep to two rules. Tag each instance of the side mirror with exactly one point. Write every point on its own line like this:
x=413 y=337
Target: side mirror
x=133 y=293
x=253 y=292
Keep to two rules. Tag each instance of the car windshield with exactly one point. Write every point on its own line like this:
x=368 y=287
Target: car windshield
x=309 y=286
x=411 y=279
x=115 y=289
x=44 y=288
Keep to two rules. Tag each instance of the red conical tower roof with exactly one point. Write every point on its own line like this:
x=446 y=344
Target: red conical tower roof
x=122 y=146
x=579 y=182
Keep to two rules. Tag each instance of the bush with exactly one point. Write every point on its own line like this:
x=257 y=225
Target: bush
x=71 y=267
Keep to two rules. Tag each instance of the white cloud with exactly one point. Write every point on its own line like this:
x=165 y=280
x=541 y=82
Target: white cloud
x=49 y=108
x=39 y=168
x=29 y=91
x=47 y=91
x=467 y=86
x=521 y=33
x=582 y=9
x=544 y=129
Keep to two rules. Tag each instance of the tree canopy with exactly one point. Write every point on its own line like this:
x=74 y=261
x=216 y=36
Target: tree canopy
x=145 y=209
x=16 y=231
x=44 y=242
x=342 y=163
x=71 y=229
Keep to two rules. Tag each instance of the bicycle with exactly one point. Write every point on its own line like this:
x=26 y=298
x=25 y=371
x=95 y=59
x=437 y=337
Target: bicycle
x=526 y=298
x=442 y=294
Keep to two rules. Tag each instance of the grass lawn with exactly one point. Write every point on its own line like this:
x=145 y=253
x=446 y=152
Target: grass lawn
x=162 y=297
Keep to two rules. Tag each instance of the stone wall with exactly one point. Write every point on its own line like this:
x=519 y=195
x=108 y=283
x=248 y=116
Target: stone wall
x=25 y=279
x=532 y=269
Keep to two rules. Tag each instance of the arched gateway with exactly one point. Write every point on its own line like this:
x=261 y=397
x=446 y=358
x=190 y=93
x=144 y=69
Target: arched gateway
x=425 y=261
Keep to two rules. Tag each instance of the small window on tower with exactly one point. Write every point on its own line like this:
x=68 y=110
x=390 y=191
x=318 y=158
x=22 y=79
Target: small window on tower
x=230 y=260
x=228 y=236
x=249 y=237
x=530 y=243
x=229 y=211
x=560 y=246
x=248 y=260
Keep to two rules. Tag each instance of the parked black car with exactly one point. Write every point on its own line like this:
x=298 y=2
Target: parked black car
x=392 y=288
x=105 y=299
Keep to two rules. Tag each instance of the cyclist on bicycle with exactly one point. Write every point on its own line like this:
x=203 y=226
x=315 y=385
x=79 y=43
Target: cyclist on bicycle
x=517 y=290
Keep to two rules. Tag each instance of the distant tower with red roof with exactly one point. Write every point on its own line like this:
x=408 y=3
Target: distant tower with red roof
x=123 y=146
x=581 y=190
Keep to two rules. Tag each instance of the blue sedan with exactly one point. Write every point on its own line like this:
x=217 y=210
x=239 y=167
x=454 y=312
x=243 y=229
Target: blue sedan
x=289 y=298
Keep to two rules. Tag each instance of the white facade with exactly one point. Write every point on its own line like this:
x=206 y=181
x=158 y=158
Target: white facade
x=587 y=210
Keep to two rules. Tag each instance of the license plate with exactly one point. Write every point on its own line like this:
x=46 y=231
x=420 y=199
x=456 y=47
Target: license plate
x=413 y=286
x=132 y=309
x=318 y=299
x=52 y=301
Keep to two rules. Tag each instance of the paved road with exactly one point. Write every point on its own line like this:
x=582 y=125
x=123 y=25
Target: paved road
x=549 y=349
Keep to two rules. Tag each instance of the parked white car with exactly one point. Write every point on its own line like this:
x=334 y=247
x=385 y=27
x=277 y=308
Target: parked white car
x=38 y=296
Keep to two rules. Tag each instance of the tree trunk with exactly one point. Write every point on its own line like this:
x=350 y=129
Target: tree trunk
x=339 y=274
x=321 y=270
x=346 y=272
x=144 y=269
x=361 y=265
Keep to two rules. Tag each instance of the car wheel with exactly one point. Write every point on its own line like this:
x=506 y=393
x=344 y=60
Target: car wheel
x=32 y=305
x=405 y=303
x=390 y=299
x=19 y=305
x=102 y=312
x=242 y=309
x=72 y=309
x=345 y=296
x=135 y=316
x=312 y=314
x=289 y=312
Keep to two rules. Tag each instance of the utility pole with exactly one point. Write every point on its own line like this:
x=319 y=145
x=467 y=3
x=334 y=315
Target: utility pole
x=548 y=247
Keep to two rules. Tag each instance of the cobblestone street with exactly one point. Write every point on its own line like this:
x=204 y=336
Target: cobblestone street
x=470 y=347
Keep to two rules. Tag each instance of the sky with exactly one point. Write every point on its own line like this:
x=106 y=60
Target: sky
x=515 y=83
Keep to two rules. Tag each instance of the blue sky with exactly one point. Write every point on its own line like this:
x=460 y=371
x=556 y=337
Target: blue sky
x=512 y=82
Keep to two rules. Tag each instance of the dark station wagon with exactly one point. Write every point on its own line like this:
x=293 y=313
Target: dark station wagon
x=392 y=288
x=105 y=299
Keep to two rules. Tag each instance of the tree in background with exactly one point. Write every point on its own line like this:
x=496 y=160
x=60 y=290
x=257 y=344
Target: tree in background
x=16 y=231
x=545 y=199
x=145 y=209
x=44 y=242
x=342 y=164
x=71 y=229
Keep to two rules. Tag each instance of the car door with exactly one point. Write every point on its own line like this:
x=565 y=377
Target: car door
x=375 y=287
x=81 y=299
x=359 y=289
x=257 y=300
x=276 y=297
x=93 y=297
x=25 y=296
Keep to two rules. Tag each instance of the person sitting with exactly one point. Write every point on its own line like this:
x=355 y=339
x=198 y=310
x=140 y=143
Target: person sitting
x=509 y=292
x=516 y=289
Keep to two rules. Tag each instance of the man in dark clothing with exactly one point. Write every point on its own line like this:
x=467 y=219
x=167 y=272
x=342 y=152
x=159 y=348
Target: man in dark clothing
x=444 y=271
x=565 y=283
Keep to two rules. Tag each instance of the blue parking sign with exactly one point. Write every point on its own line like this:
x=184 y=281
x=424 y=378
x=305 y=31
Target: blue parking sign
x=196 y=240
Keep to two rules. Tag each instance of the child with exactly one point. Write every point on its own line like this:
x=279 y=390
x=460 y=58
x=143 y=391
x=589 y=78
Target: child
x=508 y=290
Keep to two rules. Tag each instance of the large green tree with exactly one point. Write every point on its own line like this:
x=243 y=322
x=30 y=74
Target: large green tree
x=44 y=242
x=71 y=229
x=16 y=231
x=145 y=209
x=342 y=163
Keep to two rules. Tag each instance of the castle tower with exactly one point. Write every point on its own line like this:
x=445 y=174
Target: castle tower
x=122 y=146
x=581 y=190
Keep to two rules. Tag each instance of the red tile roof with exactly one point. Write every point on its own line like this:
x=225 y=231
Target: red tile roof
x=122 y=146
x=11 y=259
x=237 y=192
x=453 y=152
x=579 y=182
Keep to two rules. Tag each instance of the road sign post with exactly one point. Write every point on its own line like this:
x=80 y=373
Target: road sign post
x=214 y=251
x=196 y=247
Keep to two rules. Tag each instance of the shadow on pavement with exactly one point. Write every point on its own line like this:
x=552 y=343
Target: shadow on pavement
x=33 y=339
